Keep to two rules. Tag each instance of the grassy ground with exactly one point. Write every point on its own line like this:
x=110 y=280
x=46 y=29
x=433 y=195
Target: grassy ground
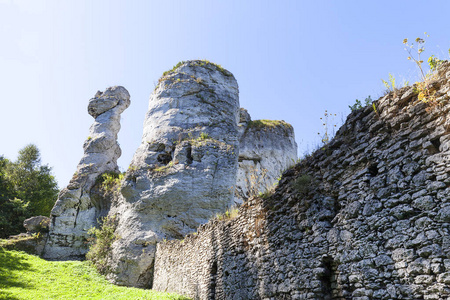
x=24 y=276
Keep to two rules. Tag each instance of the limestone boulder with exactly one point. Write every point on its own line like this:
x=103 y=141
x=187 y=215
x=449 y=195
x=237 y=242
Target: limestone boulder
x=36 y=224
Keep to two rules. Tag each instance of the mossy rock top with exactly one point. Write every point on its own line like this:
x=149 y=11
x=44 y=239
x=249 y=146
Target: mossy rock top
x=263 y=124
x=198 y=63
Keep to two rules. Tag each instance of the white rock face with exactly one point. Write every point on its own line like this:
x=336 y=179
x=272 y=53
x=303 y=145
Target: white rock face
x=184 y=171
x=74 y=212
x=200 y=154
x=266 y=149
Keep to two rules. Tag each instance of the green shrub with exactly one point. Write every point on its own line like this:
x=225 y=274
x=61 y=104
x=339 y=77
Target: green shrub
x=101 y=242
x=110 y=181
x=27 y=189
x=302 y=184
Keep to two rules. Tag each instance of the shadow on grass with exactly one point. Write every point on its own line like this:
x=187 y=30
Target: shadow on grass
x=11 y=262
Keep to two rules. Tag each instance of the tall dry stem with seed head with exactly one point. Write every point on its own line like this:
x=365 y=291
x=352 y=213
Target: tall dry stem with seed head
x=425 y=94
x=329 y=127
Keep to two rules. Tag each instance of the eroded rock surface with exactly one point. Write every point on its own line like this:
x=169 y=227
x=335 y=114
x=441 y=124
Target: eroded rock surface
x=183 y=174
x=184 y=171
x=266 y=149
x=75 y=212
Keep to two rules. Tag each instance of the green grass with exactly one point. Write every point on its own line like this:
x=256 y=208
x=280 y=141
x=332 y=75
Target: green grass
x=24 y=276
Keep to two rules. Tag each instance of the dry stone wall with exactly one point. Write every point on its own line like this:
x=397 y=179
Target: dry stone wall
x=366 y=217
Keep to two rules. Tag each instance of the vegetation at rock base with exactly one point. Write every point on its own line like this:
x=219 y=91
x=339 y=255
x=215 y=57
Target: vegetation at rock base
x=27 y=189
x=24 y=276
x=101 y=241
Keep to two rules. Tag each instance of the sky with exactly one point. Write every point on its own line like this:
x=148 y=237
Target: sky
x=293 y=61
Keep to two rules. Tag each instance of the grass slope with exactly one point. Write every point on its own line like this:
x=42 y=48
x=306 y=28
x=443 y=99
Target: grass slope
x=24 y=276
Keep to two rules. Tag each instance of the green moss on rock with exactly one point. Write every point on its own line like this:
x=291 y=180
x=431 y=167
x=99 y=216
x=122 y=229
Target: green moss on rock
x=263 y=124
x=198 y=63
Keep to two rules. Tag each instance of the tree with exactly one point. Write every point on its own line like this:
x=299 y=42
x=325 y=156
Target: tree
x=27 y=189
x=13 y=211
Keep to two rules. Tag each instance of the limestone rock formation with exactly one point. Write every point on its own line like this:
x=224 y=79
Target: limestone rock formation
x=266 y=149
x=75 y=212
x=183 y=172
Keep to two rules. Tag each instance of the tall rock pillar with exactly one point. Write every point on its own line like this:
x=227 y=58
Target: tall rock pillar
x=75 y=212
x=184 y=171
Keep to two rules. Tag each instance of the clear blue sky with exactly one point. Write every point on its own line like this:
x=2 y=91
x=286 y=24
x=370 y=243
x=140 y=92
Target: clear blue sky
x=292 y=59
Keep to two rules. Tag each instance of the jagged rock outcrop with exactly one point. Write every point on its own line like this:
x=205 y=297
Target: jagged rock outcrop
x=74 y=212
x=365 y=217
x=184 y=171
x=266 y=149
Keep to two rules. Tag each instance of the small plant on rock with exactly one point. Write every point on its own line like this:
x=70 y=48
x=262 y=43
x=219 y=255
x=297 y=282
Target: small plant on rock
x=165 y=168
x=229 y=214
x=358 y=104
x=204 y=136
x=257 y=182
x=390 y=84
x=302 y=184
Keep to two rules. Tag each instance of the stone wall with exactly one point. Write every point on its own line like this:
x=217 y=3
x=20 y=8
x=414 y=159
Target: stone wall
x=366 y=217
